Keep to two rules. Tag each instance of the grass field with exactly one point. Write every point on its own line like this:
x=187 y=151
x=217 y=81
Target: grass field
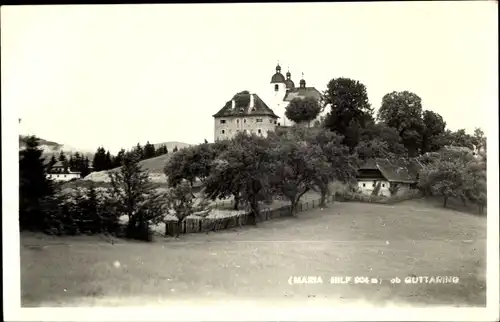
x=346 y=239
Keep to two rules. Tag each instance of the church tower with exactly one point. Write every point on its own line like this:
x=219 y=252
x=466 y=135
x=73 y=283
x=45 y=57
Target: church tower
x=278 y=88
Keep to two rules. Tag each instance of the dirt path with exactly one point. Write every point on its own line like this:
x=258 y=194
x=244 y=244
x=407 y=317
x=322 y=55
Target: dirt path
x=347 y=239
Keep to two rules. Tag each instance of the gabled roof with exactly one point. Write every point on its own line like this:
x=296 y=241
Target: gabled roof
x=302 y=93
x=399 y=170
x=259 y=108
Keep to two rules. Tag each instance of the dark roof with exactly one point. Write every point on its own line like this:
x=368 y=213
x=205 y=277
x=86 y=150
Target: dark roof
x=289 y=84
x=302 y=93
x=278 y=78
x=399 y=170
x=259 y=108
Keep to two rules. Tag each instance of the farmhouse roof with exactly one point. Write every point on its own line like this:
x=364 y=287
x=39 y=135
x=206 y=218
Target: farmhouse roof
x=302 y=93
x=398 y=170
x=252 y=105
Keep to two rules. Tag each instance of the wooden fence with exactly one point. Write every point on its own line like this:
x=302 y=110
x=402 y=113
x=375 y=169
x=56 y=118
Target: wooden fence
x=199 y=225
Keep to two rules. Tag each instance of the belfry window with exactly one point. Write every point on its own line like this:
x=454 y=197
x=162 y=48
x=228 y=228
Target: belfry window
x=276 y=87
x=222 y=131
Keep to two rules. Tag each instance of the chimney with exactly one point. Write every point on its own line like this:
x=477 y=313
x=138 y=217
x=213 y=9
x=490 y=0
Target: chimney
x=252 y=103
x=233 y=104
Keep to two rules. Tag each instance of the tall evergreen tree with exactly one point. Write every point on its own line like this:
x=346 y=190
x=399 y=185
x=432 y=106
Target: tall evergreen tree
x=62 y=156
x=51 y=163
x=34 y=185
x=108 y=161
x=149 y=150
x=71 y=163
x=99 y=161
x=139 y=151
x=84 y=167
x=118 y=160
x=135 y=197
x=175 y=149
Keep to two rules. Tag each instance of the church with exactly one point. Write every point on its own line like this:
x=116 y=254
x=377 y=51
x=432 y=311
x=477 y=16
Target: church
x=284 y=91
x=247 y=112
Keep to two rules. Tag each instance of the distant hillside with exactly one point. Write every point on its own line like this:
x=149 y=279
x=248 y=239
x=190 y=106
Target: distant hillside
x=153 y=165
x=50 y=147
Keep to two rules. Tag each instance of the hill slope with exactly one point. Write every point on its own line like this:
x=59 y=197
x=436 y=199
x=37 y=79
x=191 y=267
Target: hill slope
x=153 y=165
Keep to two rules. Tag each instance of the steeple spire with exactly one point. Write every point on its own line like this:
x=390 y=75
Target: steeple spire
x=278 y=67
x=302 y=82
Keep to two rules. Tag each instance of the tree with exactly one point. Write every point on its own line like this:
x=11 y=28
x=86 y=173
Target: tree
x=62 y=156
x=149 y=151
x=403 y=111
x=180 y=202
x=71 y=163
x=303 y=110
x=475 y=185
x=380 y=134
x=459 y=138
x=84 y=167
x=246 y=162
x=375 y=148
x=433 y=129
x=350 y=110
x=135 y=197
x=445 y=174
x=175 y=149
x=296 y=167
x=34 y=186
x=479 y=140
x=190 y=164
x=161 y=150
x=341 y=165
x=51 y=163
x=108 y=162
x=139 y=151
x=99 y=161
x=118 y=160
x=205 y=141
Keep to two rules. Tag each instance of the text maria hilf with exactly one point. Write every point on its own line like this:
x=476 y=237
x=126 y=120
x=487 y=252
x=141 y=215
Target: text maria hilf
x=373 y=280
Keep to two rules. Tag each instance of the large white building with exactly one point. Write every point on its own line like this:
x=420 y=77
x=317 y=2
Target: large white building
x=246 y=113
x=283 y=91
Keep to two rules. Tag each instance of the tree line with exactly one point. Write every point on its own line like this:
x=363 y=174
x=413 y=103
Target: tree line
x=104 y=160
x=401 y=127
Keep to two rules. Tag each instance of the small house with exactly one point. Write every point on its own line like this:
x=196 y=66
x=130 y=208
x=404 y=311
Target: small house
x=388 y=177
x=59 y=172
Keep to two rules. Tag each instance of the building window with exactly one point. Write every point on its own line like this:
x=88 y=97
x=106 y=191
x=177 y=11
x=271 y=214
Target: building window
x=244 y=120
x=383 y=185
x=237 y=121
x=258 y=120
x=276 y=87
x=222 y=131
x=259 y=131
x=364 y=185
x=275 y=122
x=222 y=121
x=373 y=185
x=270 y=121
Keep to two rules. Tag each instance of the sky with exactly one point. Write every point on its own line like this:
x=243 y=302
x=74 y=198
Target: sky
x=115 y=75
